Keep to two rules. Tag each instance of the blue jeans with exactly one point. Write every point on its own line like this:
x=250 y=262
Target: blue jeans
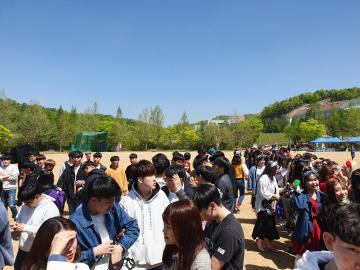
x=239 y=188
x=9 y=199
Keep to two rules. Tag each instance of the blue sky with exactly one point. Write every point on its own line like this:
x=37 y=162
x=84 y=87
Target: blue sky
x=205 y=57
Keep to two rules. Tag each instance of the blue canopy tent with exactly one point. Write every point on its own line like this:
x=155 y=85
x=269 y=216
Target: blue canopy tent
x=353 y=140
x=328 y=140
x=328 y=144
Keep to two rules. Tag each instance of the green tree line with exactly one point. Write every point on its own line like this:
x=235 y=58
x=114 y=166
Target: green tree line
x=49 y=128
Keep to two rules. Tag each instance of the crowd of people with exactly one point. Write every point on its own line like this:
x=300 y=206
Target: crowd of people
x=176 y=214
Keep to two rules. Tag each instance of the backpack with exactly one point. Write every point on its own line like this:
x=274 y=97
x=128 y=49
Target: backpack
x=59 y=196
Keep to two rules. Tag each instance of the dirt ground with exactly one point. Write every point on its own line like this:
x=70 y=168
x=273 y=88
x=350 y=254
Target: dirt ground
x=254 y=260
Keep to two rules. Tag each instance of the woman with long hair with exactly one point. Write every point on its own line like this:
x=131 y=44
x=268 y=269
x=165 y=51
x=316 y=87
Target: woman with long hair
x=240 y=173
x=184 y=237
x=336 y=191
x=267 y=193
x=308 y=205
x=54 y=246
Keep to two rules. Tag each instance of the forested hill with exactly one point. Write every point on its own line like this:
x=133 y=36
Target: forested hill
x=273 y=116
x=50 y=128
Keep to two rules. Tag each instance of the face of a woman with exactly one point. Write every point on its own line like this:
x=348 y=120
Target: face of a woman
x=341 y=192
x=261 y=162
x=70 y=250
x=313 y=183
x=169 y=235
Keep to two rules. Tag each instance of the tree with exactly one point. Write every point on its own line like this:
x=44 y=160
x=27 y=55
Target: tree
x=292 y=131
x=34 y=126
x=157 y=121
x=63 y=132
x=119 y=113
x=5 y=136
x=215 y=135
x=247 y=132
x=311 y=129
x=143 y=130
x=95 y=108
x=184 y=119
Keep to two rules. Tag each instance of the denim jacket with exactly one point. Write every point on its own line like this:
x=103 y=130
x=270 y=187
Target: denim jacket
x=304 y=224
x=88 y=237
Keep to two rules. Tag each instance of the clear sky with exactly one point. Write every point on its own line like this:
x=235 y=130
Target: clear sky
x=206 y=57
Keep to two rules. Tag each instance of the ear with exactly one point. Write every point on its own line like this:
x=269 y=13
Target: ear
x=212 y=205
x=328 y=240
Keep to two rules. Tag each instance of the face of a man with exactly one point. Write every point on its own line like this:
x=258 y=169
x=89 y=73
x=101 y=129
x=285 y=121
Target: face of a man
x=6 y=162
x=88 y=156
x=33 y=202
x=32 y=158
x=115 y=163
x=149 y=182
x=208 y=213
x=133 y=161
x=104 y=205
x=96 y=160
x=179 y=163
x=347 y=256
x=76 y=160
x=40 y=162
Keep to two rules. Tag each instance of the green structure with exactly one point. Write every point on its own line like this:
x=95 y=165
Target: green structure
x=91 y=141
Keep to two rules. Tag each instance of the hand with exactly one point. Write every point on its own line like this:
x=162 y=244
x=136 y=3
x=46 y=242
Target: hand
x=4 y=177
x=177 y=182
x=174 y=184
x=116 y=255
x=18 y=227
x=79 y=183
x=104 y=248
x=60 y=242
x=276 y=197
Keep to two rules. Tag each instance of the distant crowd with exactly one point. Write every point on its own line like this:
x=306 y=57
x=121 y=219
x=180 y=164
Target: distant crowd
x=177 y=214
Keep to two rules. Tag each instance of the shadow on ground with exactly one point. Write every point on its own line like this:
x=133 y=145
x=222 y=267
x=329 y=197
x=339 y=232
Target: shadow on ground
x=281 y=258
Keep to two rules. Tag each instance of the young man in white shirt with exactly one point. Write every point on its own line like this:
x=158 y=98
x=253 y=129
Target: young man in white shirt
x=36 y=209
x=146 y=202
x=9 y=175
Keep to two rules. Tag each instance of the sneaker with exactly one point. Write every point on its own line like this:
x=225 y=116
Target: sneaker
x=238 y=203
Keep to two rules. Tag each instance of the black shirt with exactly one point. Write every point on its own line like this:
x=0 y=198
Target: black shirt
x=226 y=242
x=225 y=184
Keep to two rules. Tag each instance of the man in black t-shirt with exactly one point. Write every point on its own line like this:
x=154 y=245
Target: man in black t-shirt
x=223 y=233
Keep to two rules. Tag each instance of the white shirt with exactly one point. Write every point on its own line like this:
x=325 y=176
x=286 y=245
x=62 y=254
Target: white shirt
x=33 y=218
x=99 y=222
x=13 y=172
x=265 y=189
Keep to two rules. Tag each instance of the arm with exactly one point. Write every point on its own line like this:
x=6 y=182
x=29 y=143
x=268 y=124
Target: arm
x=250 y=184
x=124 y=183
x=216 y=264
x=245 y=170
x=14 y=173
x=6 y=250
x=130 y=226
